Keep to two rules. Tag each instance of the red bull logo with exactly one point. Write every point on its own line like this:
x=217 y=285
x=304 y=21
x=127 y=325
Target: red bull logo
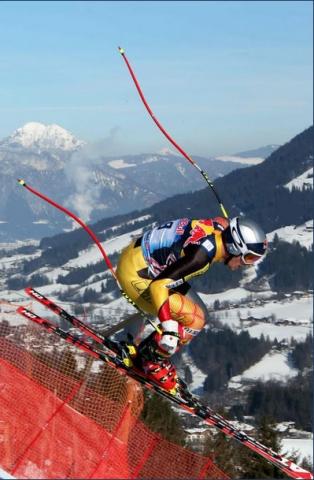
x=207 y=221
x=196 y=235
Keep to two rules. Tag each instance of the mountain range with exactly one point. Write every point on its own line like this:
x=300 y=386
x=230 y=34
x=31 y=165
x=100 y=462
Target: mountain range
x=84 y=179
x=271 y=192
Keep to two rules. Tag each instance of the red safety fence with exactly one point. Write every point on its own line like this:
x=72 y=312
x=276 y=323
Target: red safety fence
x=65 y=415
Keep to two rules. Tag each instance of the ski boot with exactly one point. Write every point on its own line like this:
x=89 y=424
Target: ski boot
x=155 y=365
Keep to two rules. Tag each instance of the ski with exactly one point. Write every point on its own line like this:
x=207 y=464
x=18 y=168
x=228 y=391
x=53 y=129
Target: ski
x=108 y=356
x=183 y=398
x=90 y=332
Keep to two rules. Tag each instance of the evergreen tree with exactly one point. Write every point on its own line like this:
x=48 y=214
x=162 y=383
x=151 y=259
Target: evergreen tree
x=288 y=265
x=302 y=354
x=222 y=353
x=158 y=415
x=256 y=467
x=289 y=402
x=225 y=452
x=188 y=377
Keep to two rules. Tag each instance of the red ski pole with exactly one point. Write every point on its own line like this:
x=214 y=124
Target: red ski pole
x=171 y=140
x=95 y=239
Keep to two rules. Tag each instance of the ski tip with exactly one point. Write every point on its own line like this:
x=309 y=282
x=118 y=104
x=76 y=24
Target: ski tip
x=21 y=182
x=121 y=50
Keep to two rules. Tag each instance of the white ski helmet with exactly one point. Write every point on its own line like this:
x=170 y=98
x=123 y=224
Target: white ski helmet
x=246 y=238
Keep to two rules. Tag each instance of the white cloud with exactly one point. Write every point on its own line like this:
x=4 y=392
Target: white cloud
x=80 y=170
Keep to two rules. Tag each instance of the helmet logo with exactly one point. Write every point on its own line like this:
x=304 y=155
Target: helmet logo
x=236 y=238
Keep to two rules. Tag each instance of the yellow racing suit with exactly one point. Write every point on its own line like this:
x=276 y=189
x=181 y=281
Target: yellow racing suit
x=154 y=269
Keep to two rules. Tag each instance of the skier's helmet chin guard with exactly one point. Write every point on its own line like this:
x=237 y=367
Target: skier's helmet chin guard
x=243 y=237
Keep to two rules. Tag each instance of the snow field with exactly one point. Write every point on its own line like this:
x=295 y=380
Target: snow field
x=235 y=295
x=91 y=255
x=299 y=182
x=304 y=446
x=198 y=376
x=296 y=310
x=292 y=233
x=273 y=366
x=280 y=332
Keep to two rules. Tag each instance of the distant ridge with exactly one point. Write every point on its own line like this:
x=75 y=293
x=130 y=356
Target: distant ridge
x=262 y=152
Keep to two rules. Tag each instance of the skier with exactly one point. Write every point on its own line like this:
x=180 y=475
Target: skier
x=153 y=271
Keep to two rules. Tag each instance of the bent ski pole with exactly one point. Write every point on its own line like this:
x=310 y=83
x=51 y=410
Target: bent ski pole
x=94 y=238
x=175 y=144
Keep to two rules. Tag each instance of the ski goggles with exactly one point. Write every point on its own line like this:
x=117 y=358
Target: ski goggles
x=251 y=252
x=250 y=257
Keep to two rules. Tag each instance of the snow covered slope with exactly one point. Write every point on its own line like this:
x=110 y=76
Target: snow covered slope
x=295 y=233
x=282 y=319
x=302 y=181
x=303 y=446
x=273 y=366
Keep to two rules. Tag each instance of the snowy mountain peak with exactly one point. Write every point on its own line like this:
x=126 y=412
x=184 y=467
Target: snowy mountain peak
x=167 y=151
x=38 y=135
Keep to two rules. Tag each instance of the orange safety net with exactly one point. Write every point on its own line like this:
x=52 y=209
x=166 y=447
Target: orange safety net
x=64 y=414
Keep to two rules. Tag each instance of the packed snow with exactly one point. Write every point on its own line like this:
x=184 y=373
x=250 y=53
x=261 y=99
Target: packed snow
x=279 y=332
x=129 y=222
x=273 y=366
x=298 y=310
x=288 y=318
x=235 y=295
x=14 y=259
x=91 y=254
x=304 y=447
x=18 y=243
x=198 y=376
x=304 y=180
x=295 y=233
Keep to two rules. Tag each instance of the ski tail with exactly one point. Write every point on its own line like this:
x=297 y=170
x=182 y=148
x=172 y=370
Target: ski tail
x=107 y=356
x=184 y=399
x=76 y=322
x=68 y=337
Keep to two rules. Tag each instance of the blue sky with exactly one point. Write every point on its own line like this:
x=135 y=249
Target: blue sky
x=221 y=76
